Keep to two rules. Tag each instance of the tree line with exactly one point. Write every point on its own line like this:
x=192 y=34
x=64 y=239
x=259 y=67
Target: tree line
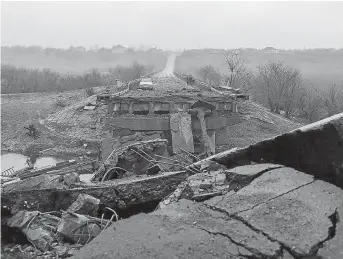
x=23 y=80
x=277 y=86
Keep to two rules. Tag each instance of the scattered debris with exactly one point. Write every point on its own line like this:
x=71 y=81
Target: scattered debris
x=78 y=228
x=51 y=234
x=140 y=158
x=85 y=204
x=38 y=227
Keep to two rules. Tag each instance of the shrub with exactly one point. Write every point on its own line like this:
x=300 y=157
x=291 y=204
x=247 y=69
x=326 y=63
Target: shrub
x=89 y=91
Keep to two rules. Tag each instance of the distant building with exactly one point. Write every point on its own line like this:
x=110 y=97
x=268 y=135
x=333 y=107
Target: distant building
x=80 y=49
x=271 y=50
x=118 y=49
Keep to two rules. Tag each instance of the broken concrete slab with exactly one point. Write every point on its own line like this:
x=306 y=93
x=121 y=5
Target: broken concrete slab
x=252 y=170
x=298 y=219
x=241 y=176
x=287 y=206
x=303 y=149
x=218 y=223
x=123 y=193
x=149 y=236
x=332 y=248
x=35 y=183
x=266 y=187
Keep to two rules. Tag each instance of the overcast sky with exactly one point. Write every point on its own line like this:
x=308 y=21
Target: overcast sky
x=174 y=25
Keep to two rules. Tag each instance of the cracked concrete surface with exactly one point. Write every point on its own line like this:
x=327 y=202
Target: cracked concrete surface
x=282 y=213
x=332 y=248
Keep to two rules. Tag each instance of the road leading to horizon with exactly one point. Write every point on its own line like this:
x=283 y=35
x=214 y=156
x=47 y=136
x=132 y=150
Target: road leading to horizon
x=166 y=80
x=169 y=68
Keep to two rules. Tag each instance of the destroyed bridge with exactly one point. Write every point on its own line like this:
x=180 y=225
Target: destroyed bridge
x=280 y=198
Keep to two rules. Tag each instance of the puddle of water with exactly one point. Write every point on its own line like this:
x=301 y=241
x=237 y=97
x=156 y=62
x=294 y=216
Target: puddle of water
x=18 y=161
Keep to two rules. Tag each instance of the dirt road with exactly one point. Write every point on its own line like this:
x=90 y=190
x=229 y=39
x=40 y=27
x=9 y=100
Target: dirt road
x=169 y=68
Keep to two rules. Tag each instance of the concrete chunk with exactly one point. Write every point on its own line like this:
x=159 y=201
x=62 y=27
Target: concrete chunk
x=85 y=204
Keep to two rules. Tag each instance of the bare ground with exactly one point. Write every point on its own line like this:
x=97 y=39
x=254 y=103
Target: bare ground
x=19 y=110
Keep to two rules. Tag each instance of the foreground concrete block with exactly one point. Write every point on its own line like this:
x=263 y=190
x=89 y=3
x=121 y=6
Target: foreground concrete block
x=146 y=236
x=287 y=206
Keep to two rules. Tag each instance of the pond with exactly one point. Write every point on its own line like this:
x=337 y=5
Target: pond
x=18 y=161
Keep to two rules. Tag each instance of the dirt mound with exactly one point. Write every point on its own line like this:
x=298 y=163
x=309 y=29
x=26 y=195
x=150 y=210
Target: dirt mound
x=259 y=125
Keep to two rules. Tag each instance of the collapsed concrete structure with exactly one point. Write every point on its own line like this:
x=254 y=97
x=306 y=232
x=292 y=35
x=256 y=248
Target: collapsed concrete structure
x=188 y=116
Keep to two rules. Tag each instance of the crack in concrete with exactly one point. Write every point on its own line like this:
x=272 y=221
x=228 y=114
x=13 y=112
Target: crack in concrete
x=253 y=178
x=252 y=250
x=236 y=217
x=334 y=218
x=239 y=187
x=288 y=249
x=278 y=196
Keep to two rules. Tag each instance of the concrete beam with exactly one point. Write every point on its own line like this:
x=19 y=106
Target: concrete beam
x=152 y=123
x=119 y=194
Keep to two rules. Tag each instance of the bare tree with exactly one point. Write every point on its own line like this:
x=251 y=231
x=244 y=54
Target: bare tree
x=135 y=71
x=247 y=81
x=310 y=103
x=333 y=99
x=93 y=78
x=214 y=78
x=236 y=66
x=209 y=75
x=279 y=84
x=205 y=71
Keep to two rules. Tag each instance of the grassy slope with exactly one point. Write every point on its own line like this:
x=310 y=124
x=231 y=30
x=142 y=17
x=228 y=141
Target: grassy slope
x=320 y=66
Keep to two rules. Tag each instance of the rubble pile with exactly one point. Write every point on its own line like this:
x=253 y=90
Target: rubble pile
x=138 y=158
x=57 y=234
